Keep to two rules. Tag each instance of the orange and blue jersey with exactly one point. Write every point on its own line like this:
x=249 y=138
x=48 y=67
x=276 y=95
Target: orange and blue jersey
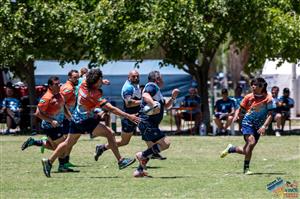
x=87 y=101
x=68 y=91
x=256 y=109
x=53 y=107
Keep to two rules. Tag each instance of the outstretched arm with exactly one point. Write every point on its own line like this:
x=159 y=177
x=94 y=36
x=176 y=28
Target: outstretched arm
x=118 y=112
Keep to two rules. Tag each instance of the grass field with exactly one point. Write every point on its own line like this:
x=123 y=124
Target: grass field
x=193 y=170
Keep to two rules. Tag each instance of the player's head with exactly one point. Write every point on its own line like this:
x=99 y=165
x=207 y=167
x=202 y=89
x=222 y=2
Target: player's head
x=259 y=85
x=134 y=77
x=94 y=78
x=54 y=84
x=73 y=77
x=155 y=76
x=83 y=71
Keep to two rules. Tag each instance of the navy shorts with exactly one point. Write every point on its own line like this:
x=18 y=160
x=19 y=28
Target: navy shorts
x=128 y=126
x=84 y=126
x=250 y=130
x=150 y=132
x=54 y=133
x=66 y=126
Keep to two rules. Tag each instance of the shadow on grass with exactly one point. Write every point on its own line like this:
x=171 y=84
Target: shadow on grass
x=260 y=173
x=269 y=173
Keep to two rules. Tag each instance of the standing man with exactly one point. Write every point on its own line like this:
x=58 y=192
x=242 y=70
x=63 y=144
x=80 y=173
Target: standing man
x=257 y=107
x=151 y=117
x=131 y=95
x=84 y=120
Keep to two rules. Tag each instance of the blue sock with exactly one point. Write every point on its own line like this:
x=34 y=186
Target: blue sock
x=232 y=149
x=149 y=152
x=38 y=142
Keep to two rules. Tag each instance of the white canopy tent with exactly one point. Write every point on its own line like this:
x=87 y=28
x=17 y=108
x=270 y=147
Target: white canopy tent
x=285 y=76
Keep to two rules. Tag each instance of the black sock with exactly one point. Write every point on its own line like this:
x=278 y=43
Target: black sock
x=149 y=152
x=38 y=142
x=67 y=159
x=61 y=161
x=246 y=164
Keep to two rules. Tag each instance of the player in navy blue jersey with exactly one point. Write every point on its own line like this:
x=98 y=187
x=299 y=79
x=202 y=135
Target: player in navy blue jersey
x=151 y=117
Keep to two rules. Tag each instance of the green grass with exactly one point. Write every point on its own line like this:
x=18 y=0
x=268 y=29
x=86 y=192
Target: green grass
x=193 y=170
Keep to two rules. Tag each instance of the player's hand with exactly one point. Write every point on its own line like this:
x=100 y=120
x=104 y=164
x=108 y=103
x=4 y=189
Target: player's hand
x=262 y=130
x=175 y=93
x=236 y=118
x=54 y=123
x=105 y=82
x=134 y=118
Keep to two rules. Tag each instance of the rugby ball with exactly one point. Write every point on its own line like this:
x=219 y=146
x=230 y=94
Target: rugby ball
x=149 y=110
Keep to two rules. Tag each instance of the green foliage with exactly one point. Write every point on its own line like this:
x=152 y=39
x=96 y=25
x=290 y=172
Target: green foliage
x=37 y=30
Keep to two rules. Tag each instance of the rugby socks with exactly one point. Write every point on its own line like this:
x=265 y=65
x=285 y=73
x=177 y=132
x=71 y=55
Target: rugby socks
x=232 y=149
x=62 y=161
x=38 y=142
x=246 y=165
x=149 y=152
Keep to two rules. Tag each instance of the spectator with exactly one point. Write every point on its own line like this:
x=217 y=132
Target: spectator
x=276 y=114
x=224 y=110
x=285 y=104
x=11 y=106
x=237 y=101
x=191 y=100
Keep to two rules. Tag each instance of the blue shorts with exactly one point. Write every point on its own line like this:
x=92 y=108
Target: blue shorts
x=128 y=126
x=250 y=130
x=66 y=126
x=54 y=133
x=150 y=132
x=84 y=126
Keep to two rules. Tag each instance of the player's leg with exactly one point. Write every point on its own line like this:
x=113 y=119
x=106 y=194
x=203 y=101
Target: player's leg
x=104 y=131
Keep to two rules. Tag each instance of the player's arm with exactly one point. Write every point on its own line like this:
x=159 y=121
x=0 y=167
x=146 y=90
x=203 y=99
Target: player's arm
x=131 y=102
x=148 y=99
x=40 y=114
x=174 y=95
x=67 y=112
x=118 y=112
x=263 y=128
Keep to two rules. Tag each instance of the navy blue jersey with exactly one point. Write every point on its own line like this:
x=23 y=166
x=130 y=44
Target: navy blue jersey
x=225 y=106
x=189 y=101
x=287 y=103
x=131 y=91
x=156 y=95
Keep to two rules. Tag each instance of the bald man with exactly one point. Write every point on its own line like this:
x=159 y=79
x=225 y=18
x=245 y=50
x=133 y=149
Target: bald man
x=131 y=95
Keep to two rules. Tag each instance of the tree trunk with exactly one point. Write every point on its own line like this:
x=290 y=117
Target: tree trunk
x=30 y=80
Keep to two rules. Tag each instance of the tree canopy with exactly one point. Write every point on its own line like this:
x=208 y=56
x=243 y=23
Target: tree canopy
x=187 y=33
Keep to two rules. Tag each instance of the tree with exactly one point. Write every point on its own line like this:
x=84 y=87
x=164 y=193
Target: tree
x=189 y=32
x=31 y=30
